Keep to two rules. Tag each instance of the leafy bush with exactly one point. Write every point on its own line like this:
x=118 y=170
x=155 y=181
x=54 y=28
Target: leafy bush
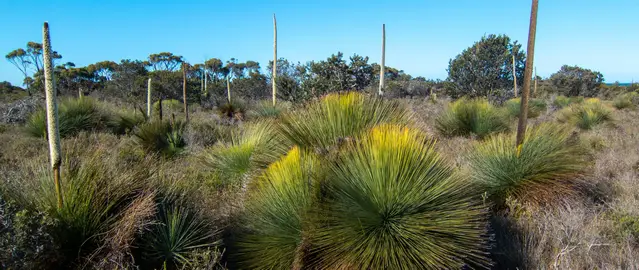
x=549 y=162
x=535 y=107
x=563 y=101
x=235 y=109
x=475 y=116
x=25 y=238
x=161 y=137
x=627 y=100
x=255 y=147
x=586 y=115
x=276 y=210
x=337 y=117
x=74 y=115
x=393 y=203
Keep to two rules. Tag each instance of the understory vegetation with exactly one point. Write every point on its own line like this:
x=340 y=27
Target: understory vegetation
x=347 y=181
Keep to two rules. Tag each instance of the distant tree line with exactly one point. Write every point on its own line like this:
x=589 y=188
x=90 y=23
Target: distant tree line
x=484 y=69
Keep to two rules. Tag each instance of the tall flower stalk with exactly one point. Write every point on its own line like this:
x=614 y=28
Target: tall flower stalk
x=52 y=112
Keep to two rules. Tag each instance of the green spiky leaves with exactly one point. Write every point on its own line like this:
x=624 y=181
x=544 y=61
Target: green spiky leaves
x=466 y=117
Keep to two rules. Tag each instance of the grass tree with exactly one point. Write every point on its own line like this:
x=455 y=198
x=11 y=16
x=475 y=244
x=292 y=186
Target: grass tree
x=514 y=75
x=274 y=59
x=228 y=89
x=186 y=104
x=52 y=112
x=530 y=58
x=148 y=98
x=382 y=68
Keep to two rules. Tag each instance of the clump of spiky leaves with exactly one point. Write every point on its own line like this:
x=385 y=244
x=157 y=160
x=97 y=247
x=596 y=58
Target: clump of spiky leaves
x=278 y=204
x=236 y=109
x=549 y=163
x=162 y=137
x=96 y=187
x=586 y=115
x=254 y=147
x=75 y=115
x=340 y=116
x=466 y=117
x=626 y=100
x=179 y=233
x=266 y=109
x=393 y=203
x=563 y=101
x=124 y=122
x=535 y=107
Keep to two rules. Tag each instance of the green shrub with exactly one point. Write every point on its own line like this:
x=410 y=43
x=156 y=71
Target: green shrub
x=627 y=100
x=236 y=109
x=74 y=115
x=207 y=133
x=586 y=115
x=254 y=147
x=276 y=210
x=393 y=203
x=563 y=101
x=25 y=238
x=161 y=137
x=535 y=107
x=466 y=117
x=337 y=117
x=549 y=163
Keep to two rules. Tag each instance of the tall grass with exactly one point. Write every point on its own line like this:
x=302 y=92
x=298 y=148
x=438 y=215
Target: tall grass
x=391 y=202
x=586 y=115
x=563 y=101
x=535 y=107
x=626 y=100
x=276 y=212
x=549 y=164
x=466 y=117
x=337 y=117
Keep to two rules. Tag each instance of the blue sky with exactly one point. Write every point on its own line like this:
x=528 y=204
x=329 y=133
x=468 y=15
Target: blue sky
x=421 y=35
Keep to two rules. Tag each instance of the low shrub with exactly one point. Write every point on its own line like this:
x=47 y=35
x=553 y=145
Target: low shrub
x=466 y=117
x=265 y=109
x=563 y=101
x=535 y=107
x=236 y=109
x=169 y=106
x=548 y=164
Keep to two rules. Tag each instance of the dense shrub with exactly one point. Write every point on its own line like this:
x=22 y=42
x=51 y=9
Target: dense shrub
x=124 y=122
x=169 y=106
x=535 y=107
x=466 y=117
x=548 y=163
x=236 y=109
x=266 y=109
x=586 y=115
x=337 y=117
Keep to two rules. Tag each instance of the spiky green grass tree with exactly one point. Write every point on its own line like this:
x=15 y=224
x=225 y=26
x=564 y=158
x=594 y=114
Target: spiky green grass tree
x=393 y=203
x=277 y=213
x=535 y=107
x=339 y=117
x=587 y=114
x=550 y=163
x=466 y=117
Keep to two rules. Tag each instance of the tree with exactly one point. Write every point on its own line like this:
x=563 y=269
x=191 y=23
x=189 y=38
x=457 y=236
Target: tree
x=361 y=72
x=576 y=81
x=165 y=61
x=486 y=66
x=30 y=61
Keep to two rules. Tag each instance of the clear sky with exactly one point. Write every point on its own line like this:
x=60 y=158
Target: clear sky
x=421 y=35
